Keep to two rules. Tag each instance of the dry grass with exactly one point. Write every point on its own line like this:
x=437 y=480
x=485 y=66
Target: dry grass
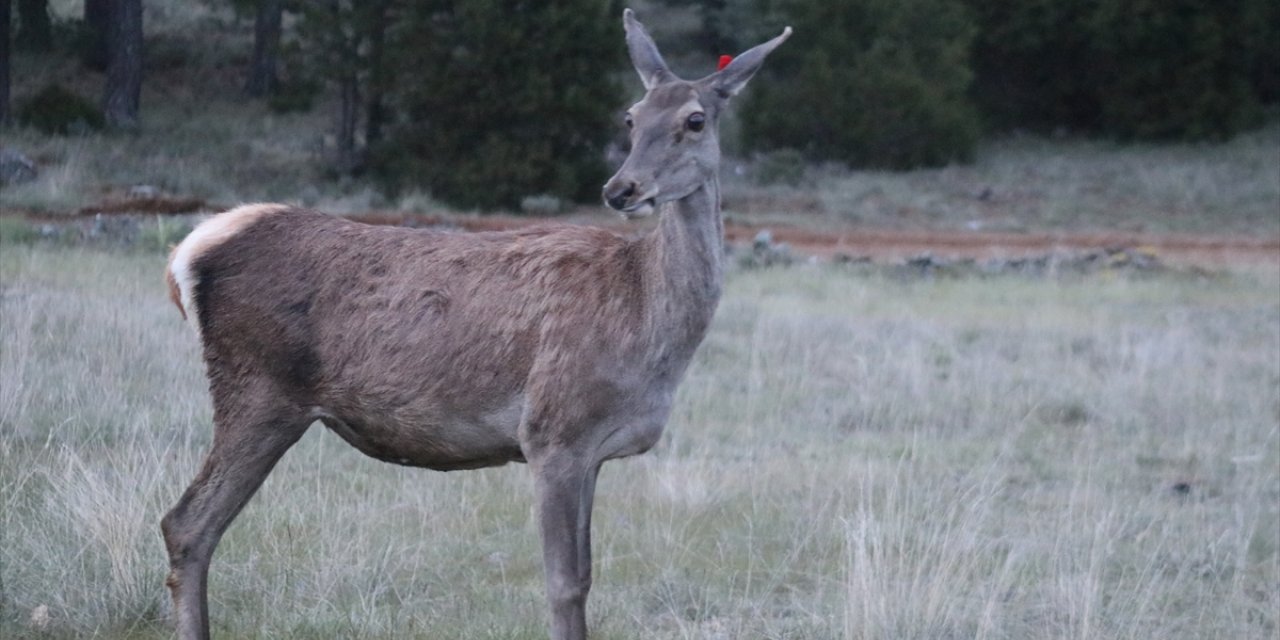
x=1028 y=183
x=851 y=457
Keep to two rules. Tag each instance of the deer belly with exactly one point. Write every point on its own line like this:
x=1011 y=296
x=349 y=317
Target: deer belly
x=440 y=444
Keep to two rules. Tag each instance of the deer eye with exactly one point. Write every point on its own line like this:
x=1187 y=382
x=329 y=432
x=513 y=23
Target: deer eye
x=696 y=121
x=627 y=119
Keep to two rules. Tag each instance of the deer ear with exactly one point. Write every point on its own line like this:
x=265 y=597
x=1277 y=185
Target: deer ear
x=728 y=81
x=644 y=53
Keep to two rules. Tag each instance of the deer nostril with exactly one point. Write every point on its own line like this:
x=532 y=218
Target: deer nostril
x=619 y=199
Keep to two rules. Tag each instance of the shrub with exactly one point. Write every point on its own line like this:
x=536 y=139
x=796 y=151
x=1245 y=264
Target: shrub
x=1126 y=68
x=784 y=166
x=1029 y=61
x=499 y=101
x=1261 y=32
x=1172 y=69
x=873 y=83
x=294 y=95
x=56 y=110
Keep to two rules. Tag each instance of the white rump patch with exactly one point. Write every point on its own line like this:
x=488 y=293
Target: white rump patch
x=209 y=234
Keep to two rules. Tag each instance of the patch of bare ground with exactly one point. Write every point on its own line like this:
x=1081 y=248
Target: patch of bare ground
x=895 y=245
x=878 y=245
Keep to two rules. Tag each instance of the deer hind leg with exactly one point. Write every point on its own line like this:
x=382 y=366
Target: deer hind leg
x=247 y=443
x=566 y=489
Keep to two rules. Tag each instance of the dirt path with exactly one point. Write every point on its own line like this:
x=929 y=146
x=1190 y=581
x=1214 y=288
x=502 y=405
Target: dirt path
x=897 y=245
x=1200 y=250
x=878 y=245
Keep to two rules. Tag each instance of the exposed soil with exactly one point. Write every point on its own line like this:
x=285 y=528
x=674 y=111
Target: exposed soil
x=877 y=245
x=881 y=245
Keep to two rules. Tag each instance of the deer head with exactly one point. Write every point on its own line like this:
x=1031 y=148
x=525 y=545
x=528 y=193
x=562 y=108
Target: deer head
x=675 y=145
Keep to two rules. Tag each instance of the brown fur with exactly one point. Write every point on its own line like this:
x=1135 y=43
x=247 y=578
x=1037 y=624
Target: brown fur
x=415 y=340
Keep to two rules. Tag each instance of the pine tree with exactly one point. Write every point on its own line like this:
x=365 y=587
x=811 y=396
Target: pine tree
x=876 y=83
x=502 y=100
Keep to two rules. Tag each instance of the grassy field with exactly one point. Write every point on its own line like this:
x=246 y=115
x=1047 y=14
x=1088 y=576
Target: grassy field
x=853 y=455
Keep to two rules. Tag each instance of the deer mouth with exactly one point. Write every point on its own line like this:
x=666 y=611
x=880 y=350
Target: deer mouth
x=646 y=205
x=626 y=197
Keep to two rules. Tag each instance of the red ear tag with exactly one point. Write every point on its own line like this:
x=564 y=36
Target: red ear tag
x=724 y=62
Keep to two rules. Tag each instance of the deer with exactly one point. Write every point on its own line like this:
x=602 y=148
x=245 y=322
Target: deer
x=559 y=346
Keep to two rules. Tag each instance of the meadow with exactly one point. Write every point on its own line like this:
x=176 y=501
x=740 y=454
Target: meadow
x=854 y=454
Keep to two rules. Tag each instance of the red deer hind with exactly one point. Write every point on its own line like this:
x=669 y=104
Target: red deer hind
x=561 y=347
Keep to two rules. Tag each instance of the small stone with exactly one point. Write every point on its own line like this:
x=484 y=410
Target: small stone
x=16 y=168
x=143 y=192
x=40 y=617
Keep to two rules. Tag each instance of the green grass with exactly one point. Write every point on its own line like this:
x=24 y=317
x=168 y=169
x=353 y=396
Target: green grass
x=851 y=456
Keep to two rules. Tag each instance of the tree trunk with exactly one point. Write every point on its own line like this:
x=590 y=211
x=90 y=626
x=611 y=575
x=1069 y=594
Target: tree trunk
x=349 y=94
x=35 y=31
x=4 y=62
x=97 y=21
x=124 y=72
x=376 y=114
x=263 y=77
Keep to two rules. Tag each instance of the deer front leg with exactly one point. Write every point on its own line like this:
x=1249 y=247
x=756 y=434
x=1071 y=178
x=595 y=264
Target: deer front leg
x=566 y=485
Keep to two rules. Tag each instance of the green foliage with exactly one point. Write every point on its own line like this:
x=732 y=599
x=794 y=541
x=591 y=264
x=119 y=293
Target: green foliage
x=56 y=110
x=505 y=101
x=728 y=26
x=784 y=166
x=294 y=95
x=1029 y=59
x=874 y=83
x=15 y=231
x=1147 y=69
x=35 y=28
x=1175 y=69
x=1260 y=36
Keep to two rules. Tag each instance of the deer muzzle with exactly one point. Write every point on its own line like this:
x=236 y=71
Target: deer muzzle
x=625 y=196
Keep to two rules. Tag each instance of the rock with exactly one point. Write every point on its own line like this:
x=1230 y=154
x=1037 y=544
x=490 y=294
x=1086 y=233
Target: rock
x=40 y=617
x=143 y=191
x=766 y=253
x=15 y=168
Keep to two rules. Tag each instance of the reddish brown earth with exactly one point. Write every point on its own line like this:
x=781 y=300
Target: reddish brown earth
x=880 y=245
x=896 y=245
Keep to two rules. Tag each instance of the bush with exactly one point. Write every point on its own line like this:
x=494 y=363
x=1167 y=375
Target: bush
x=55 y=110
x=784 y=166
x=873 y=83
x=1126 y=68
x=1261 y=32
x=1173 y=69
x=294 y=95
x=1029 y=61
x=501 y=101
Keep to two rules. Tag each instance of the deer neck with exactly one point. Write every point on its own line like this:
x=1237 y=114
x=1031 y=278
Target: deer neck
x=687 y=248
